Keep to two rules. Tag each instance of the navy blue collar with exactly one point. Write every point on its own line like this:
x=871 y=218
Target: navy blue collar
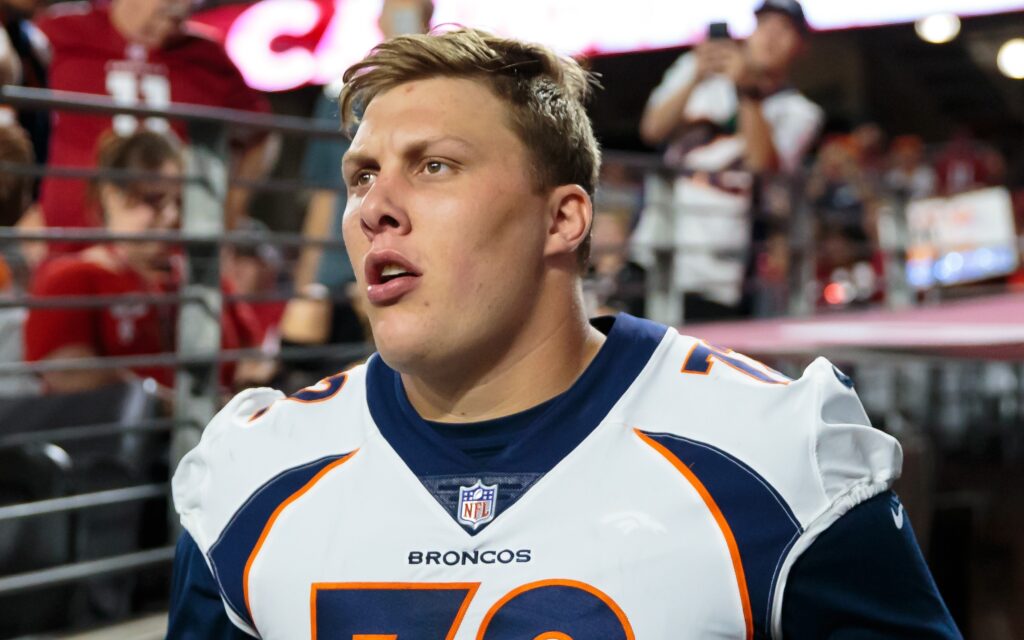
x=555 y=433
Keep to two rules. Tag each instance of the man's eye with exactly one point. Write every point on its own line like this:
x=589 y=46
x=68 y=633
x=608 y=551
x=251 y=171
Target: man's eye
x=362 y=178
x=434 y=167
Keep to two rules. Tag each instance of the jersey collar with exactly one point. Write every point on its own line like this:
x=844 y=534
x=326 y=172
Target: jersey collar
x=554 y=434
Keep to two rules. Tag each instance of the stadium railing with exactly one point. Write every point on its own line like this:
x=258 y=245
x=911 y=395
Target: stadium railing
x=196 y=360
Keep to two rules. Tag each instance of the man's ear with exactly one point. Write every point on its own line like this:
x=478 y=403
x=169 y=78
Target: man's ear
x=571 y=213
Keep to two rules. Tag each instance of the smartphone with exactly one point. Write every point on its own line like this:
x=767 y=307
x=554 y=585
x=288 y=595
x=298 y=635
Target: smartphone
x=718 y=31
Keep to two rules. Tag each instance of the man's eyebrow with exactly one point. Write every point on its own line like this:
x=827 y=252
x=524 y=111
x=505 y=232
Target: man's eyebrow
x=426 y=142
x=358 y=158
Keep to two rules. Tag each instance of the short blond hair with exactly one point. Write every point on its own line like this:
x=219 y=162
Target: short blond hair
x=544 y=93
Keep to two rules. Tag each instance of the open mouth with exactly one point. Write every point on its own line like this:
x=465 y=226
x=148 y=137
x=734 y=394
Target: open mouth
x=389 y=277
x=393 y=272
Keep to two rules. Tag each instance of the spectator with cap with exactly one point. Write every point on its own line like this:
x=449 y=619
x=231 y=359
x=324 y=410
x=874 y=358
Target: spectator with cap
x=139 y=53
x=728 y=114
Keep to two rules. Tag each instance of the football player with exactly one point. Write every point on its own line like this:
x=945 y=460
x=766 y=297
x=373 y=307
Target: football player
x=504 y=468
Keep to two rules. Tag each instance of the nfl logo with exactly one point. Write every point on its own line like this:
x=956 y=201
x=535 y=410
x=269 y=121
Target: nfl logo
x=476 y=504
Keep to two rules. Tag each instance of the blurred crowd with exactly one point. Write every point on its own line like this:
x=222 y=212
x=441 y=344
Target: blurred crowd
x=753 y=209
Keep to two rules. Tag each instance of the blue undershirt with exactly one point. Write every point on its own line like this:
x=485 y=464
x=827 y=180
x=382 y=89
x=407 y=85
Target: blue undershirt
x=484 y=440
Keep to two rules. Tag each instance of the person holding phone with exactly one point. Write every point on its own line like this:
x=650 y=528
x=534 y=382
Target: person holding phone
x=727 y=113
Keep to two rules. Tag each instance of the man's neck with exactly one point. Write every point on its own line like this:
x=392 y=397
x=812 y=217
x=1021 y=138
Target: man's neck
x=543 y=364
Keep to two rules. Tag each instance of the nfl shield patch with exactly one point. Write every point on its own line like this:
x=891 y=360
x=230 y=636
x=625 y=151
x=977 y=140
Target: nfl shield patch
x=476 y=504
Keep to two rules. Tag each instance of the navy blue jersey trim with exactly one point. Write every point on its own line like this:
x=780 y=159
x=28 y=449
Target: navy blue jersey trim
x=762 y=523
x=196 y=609
x=554 y=433
x=230 y=553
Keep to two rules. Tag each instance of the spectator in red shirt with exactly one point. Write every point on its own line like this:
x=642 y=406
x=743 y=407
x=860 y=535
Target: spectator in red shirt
x=139 y=52
x=133 y=327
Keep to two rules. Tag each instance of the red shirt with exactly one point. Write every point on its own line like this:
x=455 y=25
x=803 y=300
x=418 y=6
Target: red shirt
x=90 y=56
x=128 y=329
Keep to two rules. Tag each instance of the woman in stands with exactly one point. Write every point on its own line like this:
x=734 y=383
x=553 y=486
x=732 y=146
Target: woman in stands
x=138 y=269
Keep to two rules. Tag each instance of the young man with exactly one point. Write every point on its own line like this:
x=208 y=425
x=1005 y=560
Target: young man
x=505 y=469
x=727 y=114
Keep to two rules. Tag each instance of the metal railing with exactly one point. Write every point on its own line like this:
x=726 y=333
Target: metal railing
x=199 y=301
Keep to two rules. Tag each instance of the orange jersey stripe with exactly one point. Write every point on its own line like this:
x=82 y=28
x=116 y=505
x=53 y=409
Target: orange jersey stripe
x=273 y=518
x=723 y=525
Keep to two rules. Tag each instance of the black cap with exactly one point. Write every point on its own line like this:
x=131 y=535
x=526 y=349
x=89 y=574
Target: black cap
x=790 y=8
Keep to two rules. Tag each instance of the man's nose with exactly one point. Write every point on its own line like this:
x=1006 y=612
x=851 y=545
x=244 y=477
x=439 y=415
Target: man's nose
x=381 y=208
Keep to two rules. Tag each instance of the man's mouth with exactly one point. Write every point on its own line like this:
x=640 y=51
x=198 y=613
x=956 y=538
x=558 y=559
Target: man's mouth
x=392 y=271
x=389 y=276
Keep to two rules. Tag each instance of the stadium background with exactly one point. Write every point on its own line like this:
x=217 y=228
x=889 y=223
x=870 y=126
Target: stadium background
x=937 y=351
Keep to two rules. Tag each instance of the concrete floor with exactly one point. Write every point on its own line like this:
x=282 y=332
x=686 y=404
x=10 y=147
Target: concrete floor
x=149 y=628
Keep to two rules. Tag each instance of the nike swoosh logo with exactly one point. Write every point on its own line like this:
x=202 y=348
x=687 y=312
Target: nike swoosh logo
x=897 y=517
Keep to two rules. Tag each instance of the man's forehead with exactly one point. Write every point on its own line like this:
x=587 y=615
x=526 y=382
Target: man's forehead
x=435 y=109
x=439 y=93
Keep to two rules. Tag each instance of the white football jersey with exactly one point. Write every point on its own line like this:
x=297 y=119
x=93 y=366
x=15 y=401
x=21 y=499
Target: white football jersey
x=664 y=496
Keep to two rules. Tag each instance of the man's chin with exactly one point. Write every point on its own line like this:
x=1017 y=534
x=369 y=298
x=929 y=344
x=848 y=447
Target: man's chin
x=402 y=351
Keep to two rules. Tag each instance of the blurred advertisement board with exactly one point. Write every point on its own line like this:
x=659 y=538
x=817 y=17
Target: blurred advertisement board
x=964 y=238
x=283 y=44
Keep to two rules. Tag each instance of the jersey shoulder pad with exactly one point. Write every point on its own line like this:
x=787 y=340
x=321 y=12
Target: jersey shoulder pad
x=259 y=435
x=808 y=438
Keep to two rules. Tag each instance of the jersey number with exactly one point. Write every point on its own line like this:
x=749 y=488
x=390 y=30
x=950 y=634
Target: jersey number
x=703 y=356
x=130 y=89
x=545 y=610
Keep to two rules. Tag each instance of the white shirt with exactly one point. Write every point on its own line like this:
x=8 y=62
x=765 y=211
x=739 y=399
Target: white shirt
x=709 y=214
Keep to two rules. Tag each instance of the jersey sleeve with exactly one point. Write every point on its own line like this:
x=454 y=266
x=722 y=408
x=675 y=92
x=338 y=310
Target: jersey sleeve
x=255 y=456
x=216 y=462
x=47 y=330
x=855 y=461
x=851 y=463
x=865 y=578
x=196 y=610
x=209 y=486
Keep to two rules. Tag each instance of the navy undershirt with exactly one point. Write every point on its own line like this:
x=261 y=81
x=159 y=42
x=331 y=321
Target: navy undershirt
x=486 y=439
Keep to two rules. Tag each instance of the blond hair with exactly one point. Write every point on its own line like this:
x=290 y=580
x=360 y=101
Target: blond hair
x=544 y=95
